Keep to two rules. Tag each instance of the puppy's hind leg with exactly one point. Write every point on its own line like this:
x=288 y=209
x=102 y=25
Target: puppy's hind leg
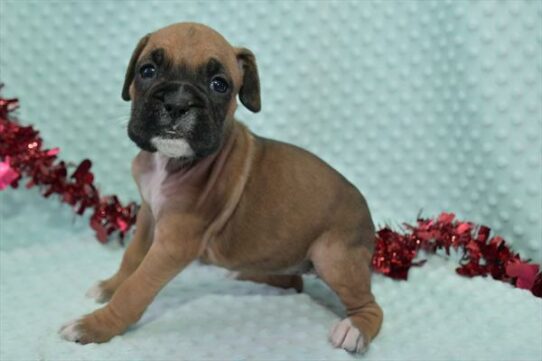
x=138 y=247
x=345 y=267
x=280 y=281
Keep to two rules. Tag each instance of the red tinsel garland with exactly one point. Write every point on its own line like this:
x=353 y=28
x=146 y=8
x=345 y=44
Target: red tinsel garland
x=21 y=155
x=394 y=252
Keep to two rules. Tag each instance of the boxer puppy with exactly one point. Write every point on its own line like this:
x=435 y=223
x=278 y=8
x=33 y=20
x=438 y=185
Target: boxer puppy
x=212 y=190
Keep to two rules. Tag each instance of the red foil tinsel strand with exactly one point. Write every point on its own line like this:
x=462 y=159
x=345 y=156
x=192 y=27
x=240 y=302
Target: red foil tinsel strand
x=22 y=155
x=395 y=252
x=21 y=149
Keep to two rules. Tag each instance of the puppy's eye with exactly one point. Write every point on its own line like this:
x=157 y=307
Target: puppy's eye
x=147 y=71
x=219 y=84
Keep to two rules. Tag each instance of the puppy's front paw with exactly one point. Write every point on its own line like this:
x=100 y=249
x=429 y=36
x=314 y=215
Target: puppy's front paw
x=345 y=335
x=87 y=329
x=70 y=331
x=101 y=292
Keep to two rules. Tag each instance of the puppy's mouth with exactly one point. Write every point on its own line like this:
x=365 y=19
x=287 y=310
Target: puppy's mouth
x=175 y=130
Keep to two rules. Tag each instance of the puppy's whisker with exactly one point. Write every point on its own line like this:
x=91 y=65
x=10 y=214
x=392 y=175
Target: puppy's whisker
x=121 y=119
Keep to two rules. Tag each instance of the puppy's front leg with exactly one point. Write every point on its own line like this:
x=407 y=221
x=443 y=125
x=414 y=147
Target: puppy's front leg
x=176 y=244
x=133 y=256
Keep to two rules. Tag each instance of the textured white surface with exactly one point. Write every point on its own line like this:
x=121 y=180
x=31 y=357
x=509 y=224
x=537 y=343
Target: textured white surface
x=203 y=315
x=421 y=104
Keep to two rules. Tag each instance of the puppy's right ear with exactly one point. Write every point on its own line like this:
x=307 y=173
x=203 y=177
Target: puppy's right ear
x=129 y=77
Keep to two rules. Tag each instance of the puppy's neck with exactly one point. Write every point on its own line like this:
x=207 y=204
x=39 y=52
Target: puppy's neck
x=174 y=165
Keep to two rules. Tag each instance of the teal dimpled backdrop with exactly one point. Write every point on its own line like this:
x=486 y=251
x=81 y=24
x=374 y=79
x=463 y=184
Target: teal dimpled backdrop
x=432 y=105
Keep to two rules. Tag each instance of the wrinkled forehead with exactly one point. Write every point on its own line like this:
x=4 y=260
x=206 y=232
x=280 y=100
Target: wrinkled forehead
x=192 y=47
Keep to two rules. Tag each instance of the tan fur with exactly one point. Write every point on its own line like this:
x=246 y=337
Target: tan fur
x=260 y=207
x=194 y=45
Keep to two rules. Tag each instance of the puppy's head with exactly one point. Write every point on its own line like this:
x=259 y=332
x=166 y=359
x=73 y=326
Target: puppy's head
x=183 y=81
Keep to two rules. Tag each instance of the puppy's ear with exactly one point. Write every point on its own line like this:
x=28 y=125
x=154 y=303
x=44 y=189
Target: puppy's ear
x=129 y=77
x=249 y=94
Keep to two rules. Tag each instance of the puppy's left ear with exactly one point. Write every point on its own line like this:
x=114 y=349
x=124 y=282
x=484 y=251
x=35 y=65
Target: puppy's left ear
x=249 y=94
x=129 y=77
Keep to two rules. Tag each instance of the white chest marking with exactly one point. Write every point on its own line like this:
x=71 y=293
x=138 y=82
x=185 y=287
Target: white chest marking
x=151 y=183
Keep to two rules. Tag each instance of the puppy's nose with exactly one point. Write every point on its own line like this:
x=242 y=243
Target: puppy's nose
x=177 y=98
x=176 y=110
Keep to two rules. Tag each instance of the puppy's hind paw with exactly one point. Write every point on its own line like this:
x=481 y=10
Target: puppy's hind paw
x=347 y=336
x=99 y=292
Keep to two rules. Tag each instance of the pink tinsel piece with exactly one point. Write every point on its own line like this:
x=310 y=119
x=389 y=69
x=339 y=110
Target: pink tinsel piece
x=7 y=174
